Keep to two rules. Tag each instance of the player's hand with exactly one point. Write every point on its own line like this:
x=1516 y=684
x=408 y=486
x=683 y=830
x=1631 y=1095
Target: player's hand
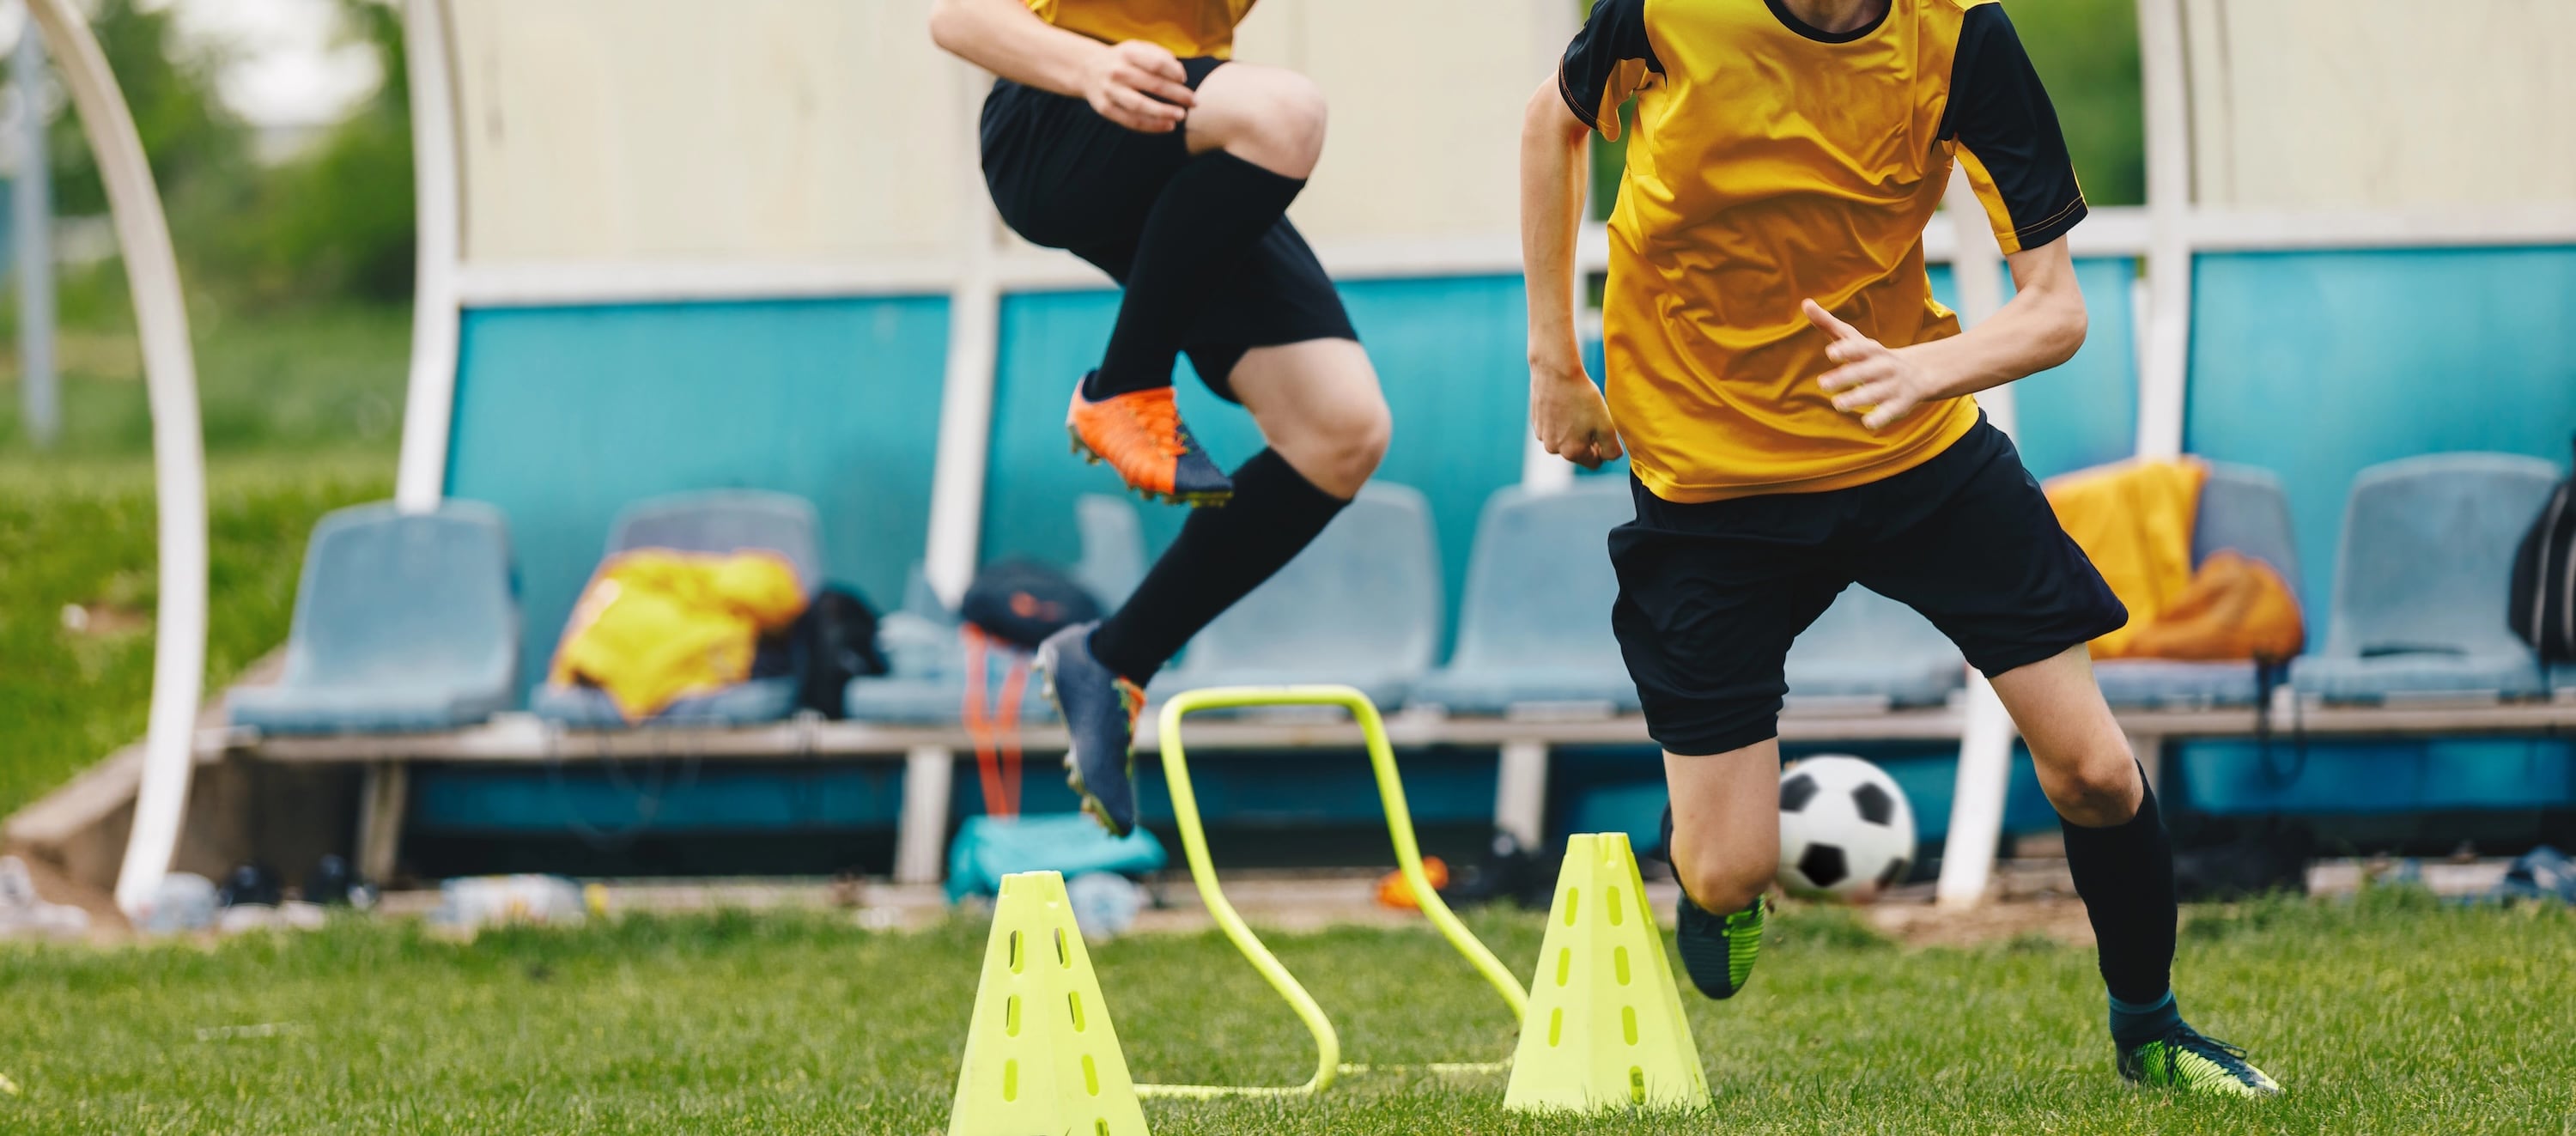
x=1879 y=383
x=1569 y=416
x=1140 y=86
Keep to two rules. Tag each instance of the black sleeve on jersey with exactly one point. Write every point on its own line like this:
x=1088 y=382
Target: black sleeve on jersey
x=1613 y=41
x=2001 y=114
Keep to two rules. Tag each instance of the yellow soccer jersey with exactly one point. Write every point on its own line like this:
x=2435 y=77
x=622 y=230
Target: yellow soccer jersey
x=1774 y=162
x=1186 y=28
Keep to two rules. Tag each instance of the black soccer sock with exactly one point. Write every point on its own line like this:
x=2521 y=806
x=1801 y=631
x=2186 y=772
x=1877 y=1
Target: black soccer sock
x=1221 y=555
x=2125 y=874
x=1207 y=215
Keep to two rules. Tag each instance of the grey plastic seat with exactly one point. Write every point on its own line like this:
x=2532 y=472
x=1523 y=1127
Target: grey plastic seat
x=2421 y=577
x=1871 y=649
x=1113 y=548
x=1534 y=629
x=402 y=623
x=927 y=686
x=1361 y=606
x=2242 y=508
x=717 y=521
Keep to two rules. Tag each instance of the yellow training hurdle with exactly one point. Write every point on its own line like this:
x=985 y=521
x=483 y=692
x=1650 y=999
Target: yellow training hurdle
x=1408 y=858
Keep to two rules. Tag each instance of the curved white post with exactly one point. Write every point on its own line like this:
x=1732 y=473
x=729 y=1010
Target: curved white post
x=420 y=479
x=178 y=457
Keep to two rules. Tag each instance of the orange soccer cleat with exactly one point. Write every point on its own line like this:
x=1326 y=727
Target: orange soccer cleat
x=1140 y=435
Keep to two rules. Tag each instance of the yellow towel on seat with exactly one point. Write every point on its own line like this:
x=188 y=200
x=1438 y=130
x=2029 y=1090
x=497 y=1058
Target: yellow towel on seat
x=2134 y=519
x=655 y=626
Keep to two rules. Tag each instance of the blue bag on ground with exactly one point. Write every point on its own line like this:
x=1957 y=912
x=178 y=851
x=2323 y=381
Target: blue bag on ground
x=989 y=848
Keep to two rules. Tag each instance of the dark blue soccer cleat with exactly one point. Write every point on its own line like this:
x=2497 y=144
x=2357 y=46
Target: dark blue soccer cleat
x=1099 y=709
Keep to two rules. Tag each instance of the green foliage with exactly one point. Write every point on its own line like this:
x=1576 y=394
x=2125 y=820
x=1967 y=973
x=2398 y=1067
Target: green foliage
x=333 y=224
x=2378 y=1019
x=2087 y=54
x=195 y=144
x=336 y=223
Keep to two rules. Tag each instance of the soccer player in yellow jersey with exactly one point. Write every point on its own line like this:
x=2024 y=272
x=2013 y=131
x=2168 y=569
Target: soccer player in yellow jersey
x=1798 y=415
x=1120 y=131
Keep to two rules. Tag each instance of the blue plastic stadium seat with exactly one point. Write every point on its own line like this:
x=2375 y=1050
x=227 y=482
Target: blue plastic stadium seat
x=718 y=521
x=927 y=686
x=402 y=623
x=1535 y=626
x=1361 y=606
x=1869 y=647
x=2243 y=509
x=1113 y=548
x=2420 y=581
x=2562 y=678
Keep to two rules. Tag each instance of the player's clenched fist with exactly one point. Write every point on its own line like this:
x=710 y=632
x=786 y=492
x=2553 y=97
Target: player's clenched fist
x=1138 y=85
x=1571 y=419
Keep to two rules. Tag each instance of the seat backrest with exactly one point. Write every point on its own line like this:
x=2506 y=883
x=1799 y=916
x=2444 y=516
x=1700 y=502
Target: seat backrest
x=2243 y=508
x=1364 y=598
x=390 y=596
x=1113 y=548
x=726 y=520
x=2427 y=553
x=1864 y=625
x=1540 y=585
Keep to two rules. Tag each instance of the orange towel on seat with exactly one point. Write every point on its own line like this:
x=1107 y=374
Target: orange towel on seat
x=2237 y=607
x=655 y=626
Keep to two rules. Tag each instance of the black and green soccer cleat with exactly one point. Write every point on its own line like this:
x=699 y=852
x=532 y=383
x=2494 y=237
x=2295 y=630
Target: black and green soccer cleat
x=2183 y=1059
x=1718 y=950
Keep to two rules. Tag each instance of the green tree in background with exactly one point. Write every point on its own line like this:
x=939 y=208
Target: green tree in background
x=197 y=146
x=337 y=222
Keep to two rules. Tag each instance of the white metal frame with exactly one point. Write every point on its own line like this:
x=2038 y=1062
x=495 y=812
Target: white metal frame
x=178 y=450
x=2166 y=234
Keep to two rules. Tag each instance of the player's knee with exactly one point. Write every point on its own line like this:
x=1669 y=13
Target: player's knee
x=1356 y=439
x=1727 y=886
x=1283 y=131
x=2099 y=790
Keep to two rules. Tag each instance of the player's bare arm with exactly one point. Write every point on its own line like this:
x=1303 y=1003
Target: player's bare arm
x=2041 y=327
x=1566 y=410
x=1135 y=84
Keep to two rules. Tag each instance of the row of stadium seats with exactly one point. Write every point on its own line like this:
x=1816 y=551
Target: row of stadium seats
x=410 y=623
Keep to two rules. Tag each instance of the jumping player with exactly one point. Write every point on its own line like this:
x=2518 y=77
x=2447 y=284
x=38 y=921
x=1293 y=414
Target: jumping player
x=1120 y=131
x=1797 y=414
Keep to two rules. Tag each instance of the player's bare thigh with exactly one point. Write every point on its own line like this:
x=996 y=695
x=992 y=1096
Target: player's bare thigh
x=1318 y=404
x=1726 y=823
x=1269 y=116
x=2082 y=756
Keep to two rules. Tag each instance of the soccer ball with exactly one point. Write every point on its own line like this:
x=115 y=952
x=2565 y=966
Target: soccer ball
x=1846 y=831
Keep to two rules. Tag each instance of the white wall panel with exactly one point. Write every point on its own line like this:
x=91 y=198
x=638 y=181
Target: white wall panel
x=2351 y=103
x=753 y=130
x=1426 y=100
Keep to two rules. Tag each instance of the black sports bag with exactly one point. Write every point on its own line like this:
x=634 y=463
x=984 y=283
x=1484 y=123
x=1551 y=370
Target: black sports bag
x=1021 y=602
x=2544 y=580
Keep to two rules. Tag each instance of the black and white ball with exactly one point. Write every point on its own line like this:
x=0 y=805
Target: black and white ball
x=1846 y=831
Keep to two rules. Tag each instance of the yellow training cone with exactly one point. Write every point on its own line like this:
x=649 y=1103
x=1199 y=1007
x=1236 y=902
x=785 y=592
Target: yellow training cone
x=1604 y=1028
x=1040 y=1054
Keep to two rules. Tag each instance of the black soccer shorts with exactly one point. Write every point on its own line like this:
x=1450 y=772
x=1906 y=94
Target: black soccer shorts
x=1710 y=595
x=1064 y=177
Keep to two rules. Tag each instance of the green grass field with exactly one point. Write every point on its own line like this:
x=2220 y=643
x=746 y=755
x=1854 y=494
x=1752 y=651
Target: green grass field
x=301 y=412
x=2390 y=1014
